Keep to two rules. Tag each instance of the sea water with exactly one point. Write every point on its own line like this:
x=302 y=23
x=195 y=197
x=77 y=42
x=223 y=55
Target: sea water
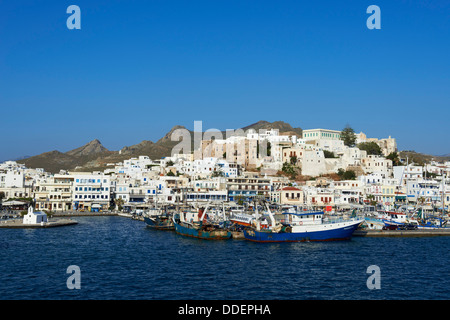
x=120 y=258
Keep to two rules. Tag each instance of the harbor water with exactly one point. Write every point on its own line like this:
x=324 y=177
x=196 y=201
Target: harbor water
x=120 y=258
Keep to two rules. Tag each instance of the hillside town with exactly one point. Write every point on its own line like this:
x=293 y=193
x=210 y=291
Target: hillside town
x=326 y=169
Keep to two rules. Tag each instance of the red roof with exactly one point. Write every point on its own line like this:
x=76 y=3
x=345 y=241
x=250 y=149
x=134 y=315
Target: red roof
x=291 y=188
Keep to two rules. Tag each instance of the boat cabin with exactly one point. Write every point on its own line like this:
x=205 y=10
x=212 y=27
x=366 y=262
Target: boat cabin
x=191 y=216
x=397 y=217
x=302 y=217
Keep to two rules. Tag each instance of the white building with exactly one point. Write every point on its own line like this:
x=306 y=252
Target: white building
x=313 y=163
x=405 y=173
x=54 y=193
x=12 y=179
x=377 y=164
x=319 y=134
x=34 y=217
x=91 y=192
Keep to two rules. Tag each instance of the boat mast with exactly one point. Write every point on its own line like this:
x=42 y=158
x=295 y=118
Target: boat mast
x=443 y=194
x=272 y=219
x=204 y=212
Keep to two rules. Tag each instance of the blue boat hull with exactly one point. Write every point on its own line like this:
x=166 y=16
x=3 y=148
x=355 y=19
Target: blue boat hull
x=202 y=234
x=344 y=233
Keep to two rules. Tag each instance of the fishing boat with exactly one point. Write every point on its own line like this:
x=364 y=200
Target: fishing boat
x=195 y=224
x=159 y=219
x=303 y=226
x=394 y=218
x=245 y=219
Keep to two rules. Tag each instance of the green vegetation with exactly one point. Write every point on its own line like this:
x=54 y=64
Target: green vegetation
x=293 y=160
x=329 y=154
x=119 y=203
x=239 y=200
x=290 y=169
x=372 y=148
x=169 y=163
x=217 y=174
x=346 y=174
x=395 y=158
x=348 y=136
x=372 y=200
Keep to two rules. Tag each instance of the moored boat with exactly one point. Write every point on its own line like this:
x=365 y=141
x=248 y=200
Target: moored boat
x=195 y=224
x=303 y=226
x=163 y=221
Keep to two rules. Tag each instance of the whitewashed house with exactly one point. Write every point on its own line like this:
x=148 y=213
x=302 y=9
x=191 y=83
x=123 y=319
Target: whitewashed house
x=34 y=217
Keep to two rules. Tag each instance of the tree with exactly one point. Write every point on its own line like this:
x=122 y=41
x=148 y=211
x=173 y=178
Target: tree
x=290 y=170
x=169 y=163
x=217 y=174
x=119 y=202
x=371 y=199
x=293 y=160
x=329 y=154
x=395 y=158
x=240 y=200
x=347 y=174
x=348 y=136
x=372 y=148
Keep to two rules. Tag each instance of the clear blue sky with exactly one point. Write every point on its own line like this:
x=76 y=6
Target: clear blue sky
x=137 y=68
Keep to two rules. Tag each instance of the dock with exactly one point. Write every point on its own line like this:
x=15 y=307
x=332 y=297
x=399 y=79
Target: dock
x=128 y=215
x=402 y=233
x=18 y=224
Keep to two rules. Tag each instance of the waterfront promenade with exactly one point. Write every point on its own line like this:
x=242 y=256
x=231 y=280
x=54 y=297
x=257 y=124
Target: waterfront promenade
x=402 y=233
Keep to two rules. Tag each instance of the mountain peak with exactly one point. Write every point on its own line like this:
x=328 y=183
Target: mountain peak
x=92 y=147
x=168 y=136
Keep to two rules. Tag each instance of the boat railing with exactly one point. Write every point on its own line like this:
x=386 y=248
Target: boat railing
x=340 y=220
x=325 y=220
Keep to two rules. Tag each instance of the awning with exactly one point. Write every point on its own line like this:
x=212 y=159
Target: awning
x=96 y=205
x=13 y=203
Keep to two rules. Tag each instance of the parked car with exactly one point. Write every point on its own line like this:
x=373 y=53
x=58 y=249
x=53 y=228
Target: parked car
x=390 y=227
x=408 y=226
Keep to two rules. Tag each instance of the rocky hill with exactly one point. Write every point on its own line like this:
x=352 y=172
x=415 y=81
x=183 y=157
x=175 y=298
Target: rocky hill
x=93 y=147
x=94 y=156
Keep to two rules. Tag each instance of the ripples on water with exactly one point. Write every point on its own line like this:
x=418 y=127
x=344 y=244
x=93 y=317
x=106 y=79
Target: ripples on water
x=122 y=259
